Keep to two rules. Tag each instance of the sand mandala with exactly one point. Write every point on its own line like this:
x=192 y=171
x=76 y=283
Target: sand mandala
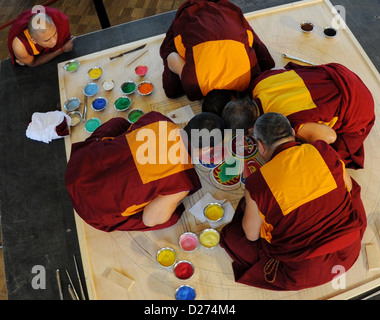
x=232 y=162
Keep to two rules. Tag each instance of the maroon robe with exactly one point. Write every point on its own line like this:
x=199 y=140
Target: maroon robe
x=199 y=33
x=21 y=24
x=298 y=248
x=109 y=187
x=341 y=100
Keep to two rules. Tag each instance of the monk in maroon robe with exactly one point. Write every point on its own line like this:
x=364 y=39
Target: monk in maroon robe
x=38 y=37
x=123 y=178
x=327 y=102
x=211 y=46
x=301 y=216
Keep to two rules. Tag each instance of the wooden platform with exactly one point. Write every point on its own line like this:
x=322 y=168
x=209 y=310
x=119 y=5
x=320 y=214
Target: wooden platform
x=132 y=254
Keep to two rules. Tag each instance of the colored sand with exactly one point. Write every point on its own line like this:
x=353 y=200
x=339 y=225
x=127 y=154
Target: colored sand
x=99 y=104
x=188 y=242
x=122 y=103
x=72 y=104
x=183 y=270
x=75 y=118
x=91 y=89
x=128 y=87
x=209 y=238
x=95 y=73
x=145 y=88
x=166 y=257
x=134 y=115
x=108 y=85
x=185 y=293
x=141 y=70
x=92 y=124
x=72 y=66
x=214 y=212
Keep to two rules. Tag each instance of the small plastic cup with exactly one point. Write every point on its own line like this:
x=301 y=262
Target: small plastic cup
x=141 y=70
x=213 y=212
x=128 y=87
x=92 y=124
x=122 y=103
x=99 y=104
x=183 y=270
x=166 y=257
x=72 y=104
x=330 y=32
x=94 y=73
x=188 y=241
x=209 y=238
x=307 y=26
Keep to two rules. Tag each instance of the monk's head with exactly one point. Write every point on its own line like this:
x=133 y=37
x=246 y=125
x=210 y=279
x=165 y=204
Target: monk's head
x=43 y=30
x=271 y=130
x=241 y=114
x=204 y=132
x=216 y=100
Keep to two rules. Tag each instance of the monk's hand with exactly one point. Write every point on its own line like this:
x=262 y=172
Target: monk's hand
x=68 y=46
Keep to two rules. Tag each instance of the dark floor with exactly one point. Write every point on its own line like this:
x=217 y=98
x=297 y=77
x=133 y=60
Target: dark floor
x=24 y=185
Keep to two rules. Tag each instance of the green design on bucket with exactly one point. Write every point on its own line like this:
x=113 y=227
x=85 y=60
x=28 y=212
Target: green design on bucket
x=122 y=103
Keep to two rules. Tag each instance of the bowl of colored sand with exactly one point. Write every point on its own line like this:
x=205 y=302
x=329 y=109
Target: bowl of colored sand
x=330 y=32
x=122 y=103
x=92 y=124
x=166 y=257
x=128 y=87
x=307 y=26
x=72 y=104
x=90 y=89
x=213 y=212
x=185 y=292
x=209 y=238
x=108 y=84
x=183 y=270
x=99 y=104
x=76 y=118
x=188 y=241
x=134 y=115
x=141 y=70
x=71 y=66
x=95 y=73
x=145 y=88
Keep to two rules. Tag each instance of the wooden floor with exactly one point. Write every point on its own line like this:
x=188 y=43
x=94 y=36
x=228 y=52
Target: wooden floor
x=83 y=19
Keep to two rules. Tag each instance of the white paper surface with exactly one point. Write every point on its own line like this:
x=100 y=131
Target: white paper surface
x=181 y=115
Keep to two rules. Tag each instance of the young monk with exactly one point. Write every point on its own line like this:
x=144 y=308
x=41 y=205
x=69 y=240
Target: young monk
x=301 y=214
x=37 y=38
x=327 y=102
x=134 y=177
x=211 y=46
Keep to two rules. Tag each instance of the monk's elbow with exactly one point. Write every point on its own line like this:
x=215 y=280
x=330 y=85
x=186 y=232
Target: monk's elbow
x=251 y=237
x=250 y=234
x=151 y=220
x=331 y=137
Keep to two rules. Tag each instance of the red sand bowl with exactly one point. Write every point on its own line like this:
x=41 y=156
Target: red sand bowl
x=183 y=270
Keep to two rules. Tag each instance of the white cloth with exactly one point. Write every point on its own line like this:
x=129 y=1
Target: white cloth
x=43 y=125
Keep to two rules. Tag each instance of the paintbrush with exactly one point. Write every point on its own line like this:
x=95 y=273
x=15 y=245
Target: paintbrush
x=142 y=53
x=80 y=282
x=129 y=51
x=297 y=59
